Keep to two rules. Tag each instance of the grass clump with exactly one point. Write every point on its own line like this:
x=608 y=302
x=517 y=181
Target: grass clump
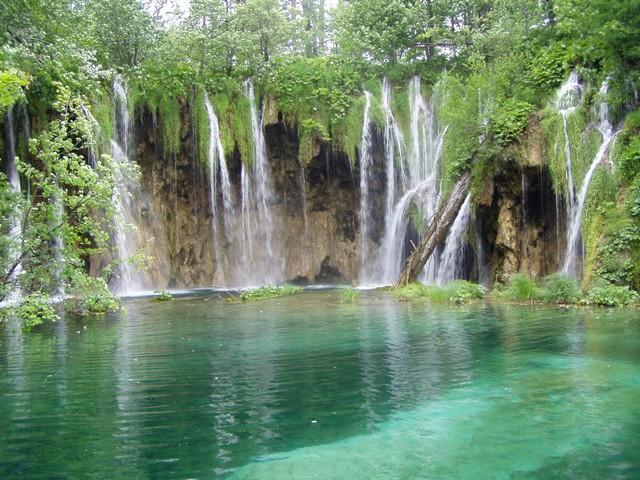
x=561 y=289
x=161 y=296
x=458 y=291
x=263 y=293
x=520 y=288
x=349 y=295
x=609 y=295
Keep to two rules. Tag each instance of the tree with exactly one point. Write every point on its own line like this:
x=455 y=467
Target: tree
x=67 y=216
x=124 y=32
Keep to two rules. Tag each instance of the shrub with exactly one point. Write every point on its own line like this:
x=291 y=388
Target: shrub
x=609 y=295
x=349 y=295
x=521 y=288
x=35 y=310
x=92 y=297
x=561 y=289
x=461 y=291
x=511 y=120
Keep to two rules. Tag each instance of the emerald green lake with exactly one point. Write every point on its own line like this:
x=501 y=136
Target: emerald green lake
x=304 y=387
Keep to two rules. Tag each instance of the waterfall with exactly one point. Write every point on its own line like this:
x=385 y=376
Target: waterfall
x=13 y=177
x=451 y=265
x=574 y=251
x=567 y=100
x=484 y=274
x=365 y=180
x=411 y=182
x=260 y=260
x=120 y=144
x=303 y=194
x=218 y=166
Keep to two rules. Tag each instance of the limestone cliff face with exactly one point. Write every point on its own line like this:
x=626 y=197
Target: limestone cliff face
x=317 y=208
x=516 y=226
x=519 y=214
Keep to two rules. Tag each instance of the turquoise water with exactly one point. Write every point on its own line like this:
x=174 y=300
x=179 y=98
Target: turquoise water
x=303 y=387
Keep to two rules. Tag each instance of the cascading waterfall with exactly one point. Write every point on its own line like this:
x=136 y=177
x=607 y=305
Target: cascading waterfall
x=450 y=267
x=365 y=180
x=567 y=100
x=120 y=143
x=575 y=249
x=411 y=182
x=218 y=166
x=13 y=177
x=260 y=262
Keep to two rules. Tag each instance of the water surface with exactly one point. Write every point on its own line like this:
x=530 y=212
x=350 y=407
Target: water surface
x=303 y=387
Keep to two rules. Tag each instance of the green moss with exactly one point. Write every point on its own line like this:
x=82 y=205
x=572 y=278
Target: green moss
x=102 y=111
x=241 y=128
x=201 y=127
x=347 y=133
x=401 y=110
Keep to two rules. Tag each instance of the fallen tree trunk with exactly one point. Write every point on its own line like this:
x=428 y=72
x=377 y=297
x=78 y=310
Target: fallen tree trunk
x=436 y=231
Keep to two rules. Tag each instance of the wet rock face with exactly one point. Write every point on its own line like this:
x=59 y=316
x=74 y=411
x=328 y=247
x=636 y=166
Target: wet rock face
x=519 y=225
x=317 y=209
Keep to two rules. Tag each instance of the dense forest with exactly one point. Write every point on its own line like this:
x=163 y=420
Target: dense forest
x=491 y=70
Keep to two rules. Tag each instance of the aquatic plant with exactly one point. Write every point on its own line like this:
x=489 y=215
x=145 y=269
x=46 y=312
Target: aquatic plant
x=263 y=293
x=349 y=295
x=458 y=291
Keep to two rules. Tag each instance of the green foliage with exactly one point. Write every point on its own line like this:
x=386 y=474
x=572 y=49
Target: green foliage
x=34 y=310
x=263 y=293
x=12 y=83
x=520 y=288
x=315 y=94
x=349 y=295
x=162 y=296
x=560 y=289
x=458 y=291
x=511 y=120
x=548 y=68
x=90 y=296
x=66 y=196
x=608 y=295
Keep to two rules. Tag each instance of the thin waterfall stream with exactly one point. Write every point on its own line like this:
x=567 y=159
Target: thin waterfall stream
x=575 y=249
x=129 y=277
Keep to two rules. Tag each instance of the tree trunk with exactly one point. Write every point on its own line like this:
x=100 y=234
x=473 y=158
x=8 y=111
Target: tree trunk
x=436 y=231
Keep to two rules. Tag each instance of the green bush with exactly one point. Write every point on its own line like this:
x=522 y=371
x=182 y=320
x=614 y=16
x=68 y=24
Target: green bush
x=520 y=288
x=561 y=289
x=548 y=67
x=34 y=310
x=609 y=295
x=511 y=120
x=461 y=291
x=91 y=297
x=629 y=159
x=349 y=295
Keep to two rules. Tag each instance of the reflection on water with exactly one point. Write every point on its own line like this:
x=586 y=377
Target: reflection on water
x=305 y=387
